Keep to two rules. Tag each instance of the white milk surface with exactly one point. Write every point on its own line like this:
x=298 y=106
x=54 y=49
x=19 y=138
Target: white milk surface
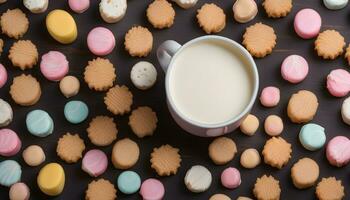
x=210 y=83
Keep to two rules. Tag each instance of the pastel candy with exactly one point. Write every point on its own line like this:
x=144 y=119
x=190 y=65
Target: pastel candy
x=143 y=75
x=307 y=23
x=76 y=111
x=79 y=6
x=19 y=191
x=6 y=113
x=152 y=189
x=39 y=123
x=3 y=76
x=338 y=82
x=273 y=125
x=36 y=6
x=129 y=182
x=338 y=151
x=244 y=10
x=69 y=86
x=186 y=4
x=312 y=136
x=270 y=96
x=198 y=179
x=100 y=41
x=33 y=155
x=294 y=69
x=10 y=143
x=231 y=178
x=61 y=26
x=51 y=179
x=94 y=162
x=10 y=172
x=345 y=111
x=112 y=10
x=54 y=65
x=335 y=4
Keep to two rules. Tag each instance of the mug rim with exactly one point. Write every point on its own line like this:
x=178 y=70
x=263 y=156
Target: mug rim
x=255 y=78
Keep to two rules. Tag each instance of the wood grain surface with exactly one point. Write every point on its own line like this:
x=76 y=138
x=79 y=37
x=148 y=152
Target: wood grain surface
x=193 y=150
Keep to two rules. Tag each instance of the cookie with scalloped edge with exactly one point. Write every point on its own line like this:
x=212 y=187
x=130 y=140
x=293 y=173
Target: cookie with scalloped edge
x=329 y=44
x=277 y=8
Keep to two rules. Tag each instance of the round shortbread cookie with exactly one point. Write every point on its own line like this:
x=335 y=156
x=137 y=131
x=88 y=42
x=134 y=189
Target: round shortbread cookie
x=112 y=11
x=161 y=14
x=23 y=54
x=211 y=18
x=100 y=189
x=125 y=154
x=138 y=41
x=6 y=113
x=143 y=121
x=277 y=152
x=249 y=125
x=69 y=86
x=102 y=131
x=70 y=148
x=277 y=8
x=305 y=173
x=267 y=188
x=25 y=90
x=99 y=74
x=222 y=150
x=143 y=75
x=165 y=160
x=330 y=188
x=118 y=100
x=302 y=106
x=250 y=158
x=329 y=44
x=14 y=23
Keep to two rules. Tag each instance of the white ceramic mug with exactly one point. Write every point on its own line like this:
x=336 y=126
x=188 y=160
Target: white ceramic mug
x=169 y=50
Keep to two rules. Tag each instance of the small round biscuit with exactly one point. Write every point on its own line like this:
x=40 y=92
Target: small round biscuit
x=138 y=41
x=23 y=54
x=330 y=188
x=102 y=131
x=125 y=154
x=305 y=173
x=211 y=18
x=222 y=150
x=100 y=74
x=25 y=90
x=143 y=121
x=249 y=125
x=244 y=10
x=33 y=155
x=302 y=106
x=161 y=14
x=70 y=148
x=6 y=113
x=165 y=160
x=112 y=11
x=250 y=158
x=69 y=86
x=143 y=75
x=100 y=189
x=277 y=8
x=36 y=6
x=267 y=187
x=14 y=23
x=118 y=100
x=329 y=44
x=273 y=125
x=277 y=152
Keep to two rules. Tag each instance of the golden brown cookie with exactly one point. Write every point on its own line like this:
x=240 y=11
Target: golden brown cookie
x=219 y=197
x=222 y=150
x=165 y=160
x=329 y=44
x=99 y=74
x=1 y=45
x=277 y=8
x=161 y=14
x=259 y=39
x=70 y=148
x=330 y=189
x=25 y=90
x=302 y=106
x=102 y=131
x=267 y=188
x=277 y=152
x=347 y=54
x=14 y=23
x=211 y=18
x=101 y=190
x=138 y=41
x=143 y=121
x=23 y=54
x=125 y=154
x=305 y=173
x=118 y=100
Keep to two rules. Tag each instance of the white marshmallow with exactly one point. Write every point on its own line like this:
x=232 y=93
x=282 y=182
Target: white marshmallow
x=198 y=179
x=36 y=6
x=186 y=4
x=143 y=75
x=112 y=10
x=6 y=113
x=345 y=111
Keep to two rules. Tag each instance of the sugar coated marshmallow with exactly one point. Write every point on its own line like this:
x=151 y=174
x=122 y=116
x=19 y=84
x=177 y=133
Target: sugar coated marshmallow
x=338 y=82
x=51 y=179
x=79 y=6
x=312 y=136
x=3 y=76
x=270 y=96
x=19 y=191
x=244 y=10
x=307 y=23
x=112 y=11
x=54 y=65
x=143 y=75
x=33 y=155
x=129 y=182
x=100 y=41
x=186 y=4
x=69 y=86
x=250 y=125
x=231 y=178
x=61 y=26
x=198 y=179
x=335 y=4
x=36 y=6
x=10 y=172
x=6 y=113
x=338 y=151
x=294 y=69
x=10 y=143
x=94 y=162
x=76 y=111
x=273 y=125
x=345 y=111
x=39 y=123
x=152 y=189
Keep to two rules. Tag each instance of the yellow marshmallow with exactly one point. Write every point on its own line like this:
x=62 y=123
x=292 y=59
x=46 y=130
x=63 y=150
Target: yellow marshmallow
x=51 y=179
x=61 y=26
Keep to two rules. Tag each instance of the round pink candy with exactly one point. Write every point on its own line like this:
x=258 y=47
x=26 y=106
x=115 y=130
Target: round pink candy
x=19 y=191
x=54 y=65
x=100 y=41
x=338 y=151
x=307 y=23
x=152 y=189
x=231 y=178
x=3 y=75
x=270 y=96
x=338 y=82
x=94 y=162
x=10 y=144
x=79 y=6
x=294 y=69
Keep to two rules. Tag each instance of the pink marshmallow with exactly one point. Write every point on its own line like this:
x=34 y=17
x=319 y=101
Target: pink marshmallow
x=338 y=151
x=307 y=23
x=54 y=65
x=338 y=82
x=3 y=75
x=270 y=96
x=10 y=144
x=94 y=162
x=294 y=69
x=79 y=6
x=231 y=178
x=100 y=41
x=152 y=189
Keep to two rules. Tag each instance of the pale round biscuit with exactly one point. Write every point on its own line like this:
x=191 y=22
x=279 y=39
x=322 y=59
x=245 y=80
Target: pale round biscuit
x=25 y=90
x=165 y=160
x=143 y=75
x=161 y=14
x=112 y=11
x=69 y=86
x=6 y=113
x=302 y=106
x=250 y=158
x=70 y=148
x=118 y=100
x=211 y=18
x=277 y=8
x=305 y=173
x=277 y=152
x=143 y=121
x=36 y=6
x=329 y=44
x=267 y=188
x=249 y=125
x=102 y=131
x=14 y=23
x=99 y=74
x=330 y=188
x=125 y=154
x=222 y=150
x=33 y=155
x=273 y=125
x=23 y=54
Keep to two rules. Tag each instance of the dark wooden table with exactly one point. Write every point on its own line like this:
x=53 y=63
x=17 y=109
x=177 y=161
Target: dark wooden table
x=193 y=149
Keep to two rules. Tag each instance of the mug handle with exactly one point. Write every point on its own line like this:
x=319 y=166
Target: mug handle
x=166 y=51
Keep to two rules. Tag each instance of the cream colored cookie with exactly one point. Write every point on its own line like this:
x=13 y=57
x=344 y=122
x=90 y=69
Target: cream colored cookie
x=277 y=152
x=70 y=148
x=329 y=44
x=118 y=100
x=330 y=189
x=244 y=10
x=100 y=189
x=249 y=125
x=112 y=11
x=138 y=41
x=69 y=86
x=14 y=23
x=267 y=188
x=222 y=150
x=219 y=197
x=302 y=106
x=305 y=173
x=102 y=131
x=161 y=14
x=33 y=155
x=25 y=90
x=277 y=8
x=250 y=158
x=211 y=18
x=143 y=121
x=125 y=154
x=99 y=74
x=165 y=160
x=23 y=54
